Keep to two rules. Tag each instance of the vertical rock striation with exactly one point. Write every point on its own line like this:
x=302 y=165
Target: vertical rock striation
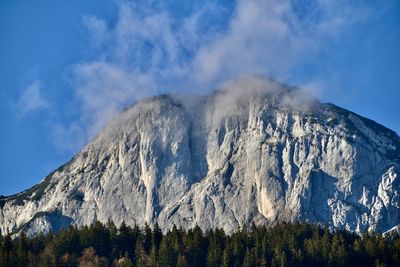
x=254 y=151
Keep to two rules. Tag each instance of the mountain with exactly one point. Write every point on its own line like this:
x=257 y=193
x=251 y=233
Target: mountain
x=254 y=151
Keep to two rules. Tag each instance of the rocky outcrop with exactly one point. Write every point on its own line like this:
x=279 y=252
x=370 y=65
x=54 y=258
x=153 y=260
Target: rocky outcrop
x=254 y=151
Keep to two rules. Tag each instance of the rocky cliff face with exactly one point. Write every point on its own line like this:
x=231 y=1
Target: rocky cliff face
x=255 y=151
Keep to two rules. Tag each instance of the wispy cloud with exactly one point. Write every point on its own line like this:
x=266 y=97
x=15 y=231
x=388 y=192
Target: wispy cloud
x=149 y=49
x=31 y=100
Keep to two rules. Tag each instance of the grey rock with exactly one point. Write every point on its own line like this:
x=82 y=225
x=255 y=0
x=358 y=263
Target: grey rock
x=254 y=151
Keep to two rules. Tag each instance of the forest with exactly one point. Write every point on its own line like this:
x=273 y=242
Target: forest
x=285 y=244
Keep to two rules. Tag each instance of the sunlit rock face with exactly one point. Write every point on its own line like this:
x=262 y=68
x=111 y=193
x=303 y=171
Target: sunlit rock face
x=253 y=151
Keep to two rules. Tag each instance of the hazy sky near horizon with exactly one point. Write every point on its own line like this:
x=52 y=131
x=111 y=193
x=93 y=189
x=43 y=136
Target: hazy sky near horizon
x=68 y=66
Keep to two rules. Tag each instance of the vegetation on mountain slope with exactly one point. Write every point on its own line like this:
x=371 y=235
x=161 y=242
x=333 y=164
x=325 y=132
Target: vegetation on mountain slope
x=296 y=244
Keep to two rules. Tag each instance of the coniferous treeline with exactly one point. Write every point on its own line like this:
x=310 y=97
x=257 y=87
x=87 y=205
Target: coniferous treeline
x=296 y=244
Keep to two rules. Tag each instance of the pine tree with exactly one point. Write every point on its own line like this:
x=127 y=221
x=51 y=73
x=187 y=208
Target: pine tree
x=338 y=253
x=21 y=251
x=282 y=245
x=126 y=240
x=196 y=247
x=112 y=229
x=140 y=254
x=266 y=253
x=167 y=255
x=181 y=261
x=280 y=257
x=147 y=238
x=156 y=237
x=248 y=259
x=214 y=254
x=227 y=256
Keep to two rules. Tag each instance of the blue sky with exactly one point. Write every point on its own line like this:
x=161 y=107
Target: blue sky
x=68 y=66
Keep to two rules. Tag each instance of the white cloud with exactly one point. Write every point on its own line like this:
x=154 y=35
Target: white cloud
x=274 y=37
x=68 y=138
x=103 y=88
x=97 y=28
x=31 y=100
x=259 y=40
x=149 y=51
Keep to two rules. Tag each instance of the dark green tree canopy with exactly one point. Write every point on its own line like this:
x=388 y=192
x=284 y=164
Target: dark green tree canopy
x=287 y=244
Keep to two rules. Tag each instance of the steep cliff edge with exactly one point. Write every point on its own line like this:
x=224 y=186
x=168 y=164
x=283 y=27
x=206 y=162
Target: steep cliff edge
x=255 y=151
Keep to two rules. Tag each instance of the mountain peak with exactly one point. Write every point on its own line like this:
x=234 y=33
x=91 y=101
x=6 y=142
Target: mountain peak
x=252 y=151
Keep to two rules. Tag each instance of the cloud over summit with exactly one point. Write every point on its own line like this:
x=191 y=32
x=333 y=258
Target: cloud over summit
x=152 y=48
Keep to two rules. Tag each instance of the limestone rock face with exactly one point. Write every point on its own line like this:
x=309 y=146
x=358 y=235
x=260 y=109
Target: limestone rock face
x=254 y=151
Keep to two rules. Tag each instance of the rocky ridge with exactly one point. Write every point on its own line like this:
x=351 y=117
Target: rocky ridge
x=255 y=151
